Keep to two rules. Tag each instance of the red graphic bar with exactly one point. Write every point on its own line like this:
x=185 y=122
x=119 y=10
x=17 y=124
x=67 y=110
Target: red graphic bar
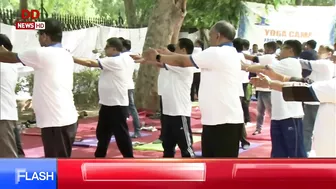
x=197 y=173
x=137 y=172
x=284 y=171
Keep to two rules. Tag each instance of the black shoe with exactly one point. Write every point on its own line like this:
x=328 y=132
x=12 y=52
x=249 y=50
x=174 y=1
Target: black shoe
x=256 y=132
x=136 y=135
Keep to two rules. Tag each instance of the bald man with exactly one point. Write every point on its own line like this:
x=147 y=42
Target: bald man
x=222 y=118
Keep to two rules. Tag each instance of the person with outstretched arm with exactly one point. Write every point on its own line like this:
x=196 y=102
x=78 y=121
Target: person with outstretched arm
x=113 y=98
x=219 y=101
x=303 y=90
x=286 y=119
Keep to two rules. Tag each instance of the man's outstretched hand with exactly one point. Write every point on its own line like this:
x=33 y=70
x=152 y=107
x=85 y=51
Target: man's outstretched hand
x=261 y=81
x=268 y=71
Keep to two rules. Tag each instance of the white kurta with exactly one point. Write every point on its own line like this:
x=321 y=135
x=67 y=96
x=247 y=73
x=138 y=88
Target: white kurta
x=324 y=142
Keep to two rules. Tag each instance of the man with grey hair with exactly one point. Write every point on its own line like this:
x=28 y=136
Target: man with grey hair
x=222 y=114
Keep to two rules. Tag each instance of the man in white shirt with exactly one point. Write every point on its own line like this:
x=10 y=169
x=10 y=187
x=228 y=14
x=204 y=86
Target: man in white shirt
x=264 y=95
x=320 y=70
x=8 y=111
x=222 y=115
x=53 y=102
x=323 y=92
x=113 y=98
x=131 y=107
x=246 y=92
x=177 y=105
x=286 y=120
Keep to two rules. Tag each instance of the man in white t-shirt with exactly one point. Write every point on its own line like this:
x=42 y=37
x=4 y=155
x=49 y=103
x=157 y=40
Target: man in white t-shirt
x=8 y=111
x=131 y=107
x=264 y=95
x=286 y=120
x=53 y=102
x=162 y=82
x=113 y=98
x=323 y=92
x=222 y=115
x=246 y=92
x=319 y=70
x=177 y=105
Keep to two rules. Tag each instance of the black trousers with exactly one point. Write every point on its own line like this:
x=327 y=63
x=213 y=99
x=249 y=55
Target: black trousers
x=245 y=101
x=177 y=132
x=161 y=120
x=221 y=140
x=195 y=86
x=112 y=120
x=58 y=141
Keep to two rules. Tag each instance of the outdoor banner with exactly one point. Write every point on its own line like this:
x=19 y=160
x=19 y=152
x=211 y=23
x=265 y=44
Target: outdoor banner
x=262 y=23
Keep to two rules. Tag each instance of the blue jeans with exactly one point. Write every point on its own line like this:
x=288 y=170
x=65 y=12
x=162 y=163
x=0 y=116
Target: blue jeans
x=133 y=111
x=310 y=112
x=287 y=138
x=264 y=103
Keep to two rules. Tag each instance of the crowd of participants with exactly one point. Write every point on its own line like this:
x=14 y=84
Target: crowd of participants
x=294 y=84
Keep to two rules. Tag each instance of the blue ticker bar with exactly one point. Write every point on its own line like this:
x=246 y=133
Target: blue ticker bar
x=28 y=173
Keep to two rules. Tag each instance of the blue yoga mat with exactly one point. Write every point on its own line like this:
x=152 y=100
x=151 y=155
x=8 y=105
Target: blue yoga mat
x=253 y=145
x=92 y=142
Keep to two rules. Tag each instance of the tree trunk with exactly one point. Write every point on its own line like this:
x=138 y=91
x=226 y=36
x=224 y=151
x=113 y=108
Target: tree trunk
x=179 y=23
x=130 y=12
x=23 y=4
x=165 y=17
x=204 y=37
x=298 y=2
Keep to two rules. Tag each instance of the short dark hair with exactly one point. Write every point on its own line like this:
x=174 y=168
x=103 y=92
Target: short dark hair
x=127 y=44
x=255 y=45
x=121 y=38
x=295 y=45
x=238 y=44
x=312 y=44
x=53 y=29
x=279 y=42
x=115 y=43
x=187 y=44
x=225 y=29
x=5 y=41
x=245 y=43
x=201 y=43
x=171 y=47
x=271 y=45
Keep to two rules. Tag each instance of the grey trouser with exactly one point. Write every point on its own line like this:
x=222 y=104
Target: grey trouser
x=8 y=148
x=310 y=112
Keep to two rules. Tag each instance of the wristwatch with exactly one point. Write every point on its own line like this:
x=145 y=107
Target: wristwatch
x=158 y=58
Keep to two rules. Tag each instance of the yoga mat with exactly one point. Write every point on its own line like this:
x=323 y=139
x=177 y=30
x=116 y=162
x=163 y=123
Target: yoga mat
x=158 y=147
x=253 y=145
x=92 y=142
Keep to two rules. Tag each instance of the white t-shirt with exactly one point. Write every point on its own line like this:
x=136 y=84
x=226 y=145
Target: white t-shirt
x=162 y=80
x=220 y=87
x=324 y=142
x=114 y=80
x=322 y=70
x=176 y=95
x=197 y=50
x=265 y=60
x=8 y=80
x=53 y=101
x=280 y=108
x=243 y=74
x=130 y=68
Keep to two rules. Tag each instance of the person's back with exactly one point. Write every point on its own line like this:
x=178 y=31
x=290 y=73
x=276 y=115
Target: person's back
x=215 y=99
x=53 y=84
x=8 y=80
